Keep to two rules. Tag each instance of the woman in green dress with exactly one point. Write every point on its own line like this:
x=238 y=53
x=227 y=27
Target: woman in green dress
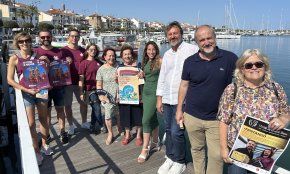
x=151 y=64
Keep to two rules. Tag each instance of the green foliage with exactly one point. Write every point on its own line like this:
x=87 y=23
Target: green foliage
x=27 y=25
x=10 y=24
x=44 y=25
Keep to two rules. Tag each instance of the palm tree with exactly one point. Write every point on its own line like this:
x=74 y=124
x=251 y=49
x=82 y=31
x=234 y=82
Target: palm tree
x=33 y=11
x=22 y=13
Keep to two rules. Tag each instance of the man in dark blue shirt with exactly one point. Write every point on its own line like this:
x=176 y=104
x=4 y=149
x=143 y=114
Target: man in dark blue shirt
x=204 y=78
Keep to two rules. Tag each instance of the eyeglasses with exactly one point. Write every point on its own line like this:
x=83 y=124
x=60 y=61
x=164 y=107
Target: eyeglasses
x=45 y=37
x=25 y=40
x=257 y=65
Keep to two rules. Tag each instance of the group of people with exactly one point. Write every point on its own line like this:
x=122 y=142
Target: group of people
x=192 y=86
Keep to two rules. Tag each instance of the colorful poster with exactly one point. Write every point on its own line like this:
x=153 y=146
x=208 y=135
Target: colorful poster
x=128 y=89
x=59 y=73
x=258 y=147
x=35 y=74
x=130 y=71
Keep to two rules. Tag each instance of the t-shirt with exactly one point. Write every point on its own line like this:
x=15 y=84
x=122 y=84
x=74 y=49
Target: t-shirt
x=77 y=56
x=52 y=54
x=207 y=81
x=89 y=68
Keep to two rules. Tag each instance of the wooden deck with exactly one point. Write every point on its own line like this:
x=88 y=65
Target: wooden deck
x=88 y=153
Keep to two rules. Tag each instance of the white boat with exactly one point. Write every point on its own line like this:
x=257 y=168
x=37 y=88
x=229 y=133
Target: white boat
x=227 y=35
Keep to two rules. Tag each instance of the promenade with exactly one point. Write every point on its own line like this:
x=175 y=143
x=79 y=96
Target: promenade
x=88 y=153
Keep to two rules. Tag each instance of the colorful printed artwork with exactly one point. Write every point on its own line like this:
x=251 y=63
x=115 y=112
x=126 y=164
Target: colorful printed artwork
x=128 y=89
x=35 y=74
x=59 y=73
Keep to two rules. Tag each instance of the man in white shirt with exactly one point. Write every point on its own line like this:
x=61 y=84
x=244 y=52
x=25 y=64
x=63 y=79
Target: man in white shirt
x=167 y=94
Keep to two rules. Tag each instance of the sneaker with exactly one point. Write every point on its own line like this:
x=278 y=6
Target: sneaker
x=104 y=130
x=177 y=168
x=86 y=125
x=46 y=150
x=164 y=168
x=39 y=158
x=64 y=137
x=71 y=130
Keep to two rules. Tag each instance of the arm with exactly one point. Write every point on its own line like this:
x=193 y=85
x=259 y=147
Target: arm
x=99 y=85
x=181 y=96
x=13 y=61
x=81 y=86
x=224 y=142
x=160 y=86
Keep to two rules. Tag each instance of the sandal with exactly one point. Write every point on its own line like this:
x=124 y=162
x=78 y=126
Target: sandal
x=125 y=141
x=156 y=145
x=141 y=158
x=139 y=142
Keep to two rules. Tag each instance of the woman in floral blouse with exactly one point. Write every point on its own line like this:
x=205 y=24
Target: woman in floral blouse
x=255 y=97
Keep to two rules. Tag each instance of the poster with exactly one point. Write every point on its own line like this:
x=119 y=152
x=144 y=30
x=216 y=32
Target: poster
x=130 y=71
x=128 y=89
x=59 y=73
x=35 y=74
x=258 y=147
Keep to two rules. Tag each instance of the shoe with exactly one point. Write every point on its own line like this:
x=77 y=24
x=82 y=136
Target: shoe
x=139 y=142
x=125 y=141
x=48 y=139
x=177 y=168
x=141 y=158
x=46 y=150
x=156 y=145
x=64 y=137
x=104 y=130
x=164 y=168
x=86 y=125
x=39 y=158
x=71 y=130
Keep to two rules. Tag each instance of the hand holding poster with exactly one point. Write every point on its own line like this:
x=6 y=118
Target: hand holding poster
x=59 y=73
x=35 y=74
x=258 y=147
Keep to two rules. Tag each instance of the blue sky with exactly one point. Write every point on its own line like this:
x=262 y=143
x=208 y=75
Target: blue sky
x=250 y=14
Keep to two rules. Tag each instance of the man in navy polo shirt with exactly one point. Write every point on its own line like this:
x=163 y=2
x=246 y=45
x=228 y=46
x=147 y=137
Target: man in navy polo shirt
x=204 y=78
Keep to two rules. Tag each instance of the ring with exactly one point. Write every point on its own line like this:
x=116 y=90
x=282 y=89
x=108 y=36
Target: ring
x=276 y=124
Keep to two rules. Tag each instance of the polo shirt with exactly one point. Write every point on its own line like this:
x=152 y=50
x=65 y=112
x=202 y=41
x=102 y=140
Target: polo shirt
x=207 y=81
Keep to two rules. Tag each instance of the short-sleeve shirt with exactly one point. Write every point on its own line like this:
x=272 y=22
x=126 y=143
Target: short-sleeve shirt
x=89 y=68
x=261 y=103
x=207 y=81
x=52 y=54
x=77 y=55
x=108 y=76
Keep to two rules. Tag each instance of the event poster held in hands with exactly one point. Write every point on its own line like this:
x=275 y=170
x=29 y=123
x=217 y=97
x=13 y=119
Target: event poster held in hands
x=128 y=89
x=258 y=147
x=35 y=74
x=59 y=73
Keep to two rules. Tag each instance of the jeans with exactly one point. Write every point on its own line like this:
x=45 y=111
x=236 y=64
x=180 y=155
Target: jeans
x=175 y=139
x=96 y=115
x=233 y=169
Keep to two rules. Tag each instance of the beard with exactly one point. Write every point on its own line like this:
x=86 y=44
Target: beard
x=174 y=43
x=46 y=42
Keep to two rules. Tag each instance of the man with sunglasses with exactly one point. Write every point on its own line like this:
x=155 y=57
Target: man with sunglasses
x=57 y=92
x=205 y=76
x=77 y=54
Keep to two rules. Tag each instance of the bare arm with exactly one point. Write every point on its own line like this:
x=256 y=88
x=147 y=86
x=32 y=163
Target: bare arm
x=81 y=86
x=224 y=142
x=159 y=105
x=181 y=96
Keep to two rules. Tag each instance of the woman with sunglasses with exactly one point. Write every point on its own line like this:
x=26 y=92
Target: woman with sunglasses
x=255 y=97
x=23 y=41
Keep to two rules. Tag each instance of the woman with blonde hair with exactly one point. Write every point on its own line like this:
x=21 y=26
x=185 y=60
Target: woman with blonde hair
x=257 y=95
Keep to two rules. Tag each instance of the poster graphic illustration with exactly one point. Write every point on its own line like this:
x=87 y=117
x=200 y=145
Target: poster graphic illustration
x=129 y=71
x=59 y=73
x=35 y=74
x=258 y=147
x=128 y=89
x=42 y=94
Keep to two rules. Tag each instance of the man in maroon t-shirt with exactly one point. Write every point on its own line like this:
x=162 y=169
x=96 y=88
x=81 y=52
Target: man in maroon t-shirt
x=57 y=92
x=76 y=53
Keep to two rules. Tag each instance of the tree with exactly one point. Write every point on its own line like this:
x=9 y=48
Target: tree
x=27 y=26
x=10 y=24
x=44 y=25
x=32 y=11
x=22 y=13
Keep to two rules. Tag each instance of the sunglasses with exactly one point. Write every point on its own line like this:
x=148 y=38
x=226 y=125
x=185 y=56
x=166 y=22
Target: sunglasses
x=45 y=37
x=25 y=40
x=257 y=65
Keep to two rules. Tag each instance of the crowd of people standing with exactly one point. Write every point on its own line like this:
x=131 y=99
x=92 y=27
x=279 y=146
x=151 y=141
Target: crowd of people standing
x=191 y=86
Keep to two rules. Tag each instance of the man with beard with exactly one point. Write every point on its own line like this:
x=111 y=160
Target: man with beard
x=205 y=76
x=248 y=150
x=167 y=90
x=57 y=92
